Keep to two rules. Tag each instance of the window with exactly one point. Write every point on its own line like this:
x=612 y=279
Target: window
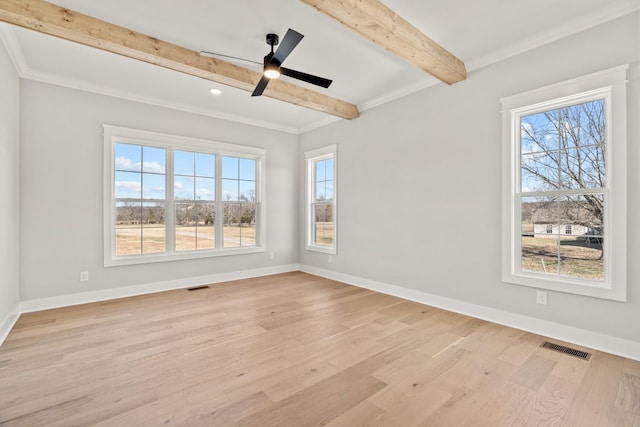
x=321 y=200
x=194 y=195
x=169 y=198
x=568 y=230
x=565 y=169
x=239 y=187
x=140 y=199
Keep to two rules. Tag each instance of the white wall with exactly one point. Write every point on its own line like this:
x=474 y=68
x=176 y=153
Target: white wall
x=9 y=173
x=61 y=193
x=420 y=187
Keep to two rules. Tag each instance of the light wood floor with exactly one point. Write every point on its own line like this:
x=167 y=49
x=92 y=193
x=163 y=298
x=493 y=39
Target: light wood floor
x=297 y=350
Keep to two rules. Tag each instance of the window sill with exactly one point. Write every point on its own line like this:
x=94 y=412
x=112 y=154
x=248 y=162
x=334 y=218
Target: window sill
x=322 y=249
x=567 y=285
x=181 y=256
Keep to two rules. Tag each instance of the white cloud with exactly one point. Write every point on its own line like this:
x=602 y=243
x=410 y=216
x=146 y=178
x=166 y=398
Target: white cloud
x=128 y=189
x=527 y=127
x=123 y=163
x=154 y=167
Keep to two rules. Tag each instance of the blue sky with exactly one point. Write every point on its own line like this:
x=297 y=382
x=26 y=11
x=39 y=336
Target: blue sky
x=140 y=172
x=324 y=179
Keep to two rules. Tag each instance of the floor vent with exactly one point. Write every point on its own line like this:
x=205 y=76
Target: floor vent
x=566 y=350
x=197 y=288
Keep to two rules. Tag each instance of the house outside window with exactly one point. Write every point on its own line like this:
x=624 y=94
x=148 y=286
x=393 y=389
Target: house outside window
x=169 y=198
x=565 y=167
x=321 y=226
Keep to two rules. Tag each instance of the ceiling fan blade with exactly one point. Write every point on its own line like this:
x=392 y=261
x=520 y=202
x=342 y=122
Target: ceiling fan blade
x=288 y=43
x=260 y=87
x=309 y=78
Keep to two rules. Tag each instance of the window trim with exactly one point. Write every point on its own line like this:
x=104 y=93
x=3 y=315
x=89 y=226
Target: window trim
x=116 y=134
x=609 y=84
x=328 y=152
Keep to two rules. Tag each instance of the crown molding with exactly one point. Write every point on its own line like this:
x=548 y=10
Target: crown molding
x=10 y=41
x=158 y=102
x=570 y=28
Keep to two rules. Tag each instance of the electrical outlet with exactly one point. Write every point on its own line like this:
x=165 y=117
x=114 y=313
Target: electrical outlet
x=84 y=276
x=541 y=297
x=330 y=259
x=271 y=255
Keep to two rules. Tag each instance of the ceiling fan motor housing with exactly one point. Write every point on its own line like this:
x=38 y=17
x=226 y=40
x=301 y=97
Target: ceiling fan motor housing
x=272 y=39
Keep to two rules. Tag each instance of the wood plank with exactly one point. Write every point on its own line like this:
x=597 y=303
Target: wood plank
x=364 y=414
x=550 y=403
x=379 y=24
x=67 y=24
x=459 y=410
x=228 y=415
x=628 y=397
x=534 y=372
x=503 y=406
x=411 y=404
x=322 y=402
x=594 y=401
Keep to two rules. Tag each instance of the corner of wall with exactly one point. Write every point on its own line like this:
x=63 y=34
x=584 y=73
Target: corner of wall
x=8 y=323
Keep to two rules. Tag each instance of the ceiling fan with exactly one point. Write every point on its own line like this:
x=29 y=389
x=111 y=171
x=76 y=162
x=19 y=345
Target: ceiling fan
x=272 y=64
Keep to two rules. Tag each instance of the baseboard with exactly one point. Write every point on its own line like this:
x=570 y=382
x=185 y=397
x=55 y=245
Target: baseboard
x=148 y=288
x=8 y=322
x=618 y=346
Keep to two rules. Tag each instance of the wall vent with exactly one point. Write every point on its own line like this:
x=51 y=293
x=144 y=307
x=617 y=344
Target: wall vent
x=566 y=350
x=197 y=288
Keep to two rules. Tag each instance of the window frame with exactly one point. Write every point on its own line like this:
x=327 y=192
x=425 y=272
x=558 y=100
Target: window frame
x=311 y=158
x=116 y=134
x=609 y=84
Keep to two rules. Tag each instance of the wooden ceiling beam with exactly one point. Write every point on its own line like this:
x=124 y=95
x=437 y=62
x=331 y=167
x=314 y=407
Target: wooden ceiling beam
x=379 y=24
x=51 y=19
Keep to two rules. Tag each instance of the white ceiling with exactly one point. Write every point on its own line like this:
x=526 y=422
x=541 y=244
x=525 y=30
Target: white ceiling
x=477 y=32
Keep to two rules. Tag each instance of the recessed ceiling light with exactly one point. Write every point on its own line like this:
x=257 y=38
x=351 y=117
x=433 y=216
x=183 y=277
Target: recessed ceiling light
x=215 y=91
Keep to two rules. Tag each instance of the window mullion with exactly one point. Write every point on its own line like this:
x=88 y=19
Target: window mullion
x=219 y=208
x=169 y=214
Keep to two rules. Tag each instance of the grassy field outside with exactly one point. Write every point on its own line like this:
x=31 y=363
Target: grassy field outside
x=324 y=233
x=577 y=257
x=150 y=238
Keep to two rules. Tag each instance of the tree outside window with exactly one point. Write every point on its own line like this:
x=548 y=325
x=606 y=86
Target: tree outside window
x=563 y=181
